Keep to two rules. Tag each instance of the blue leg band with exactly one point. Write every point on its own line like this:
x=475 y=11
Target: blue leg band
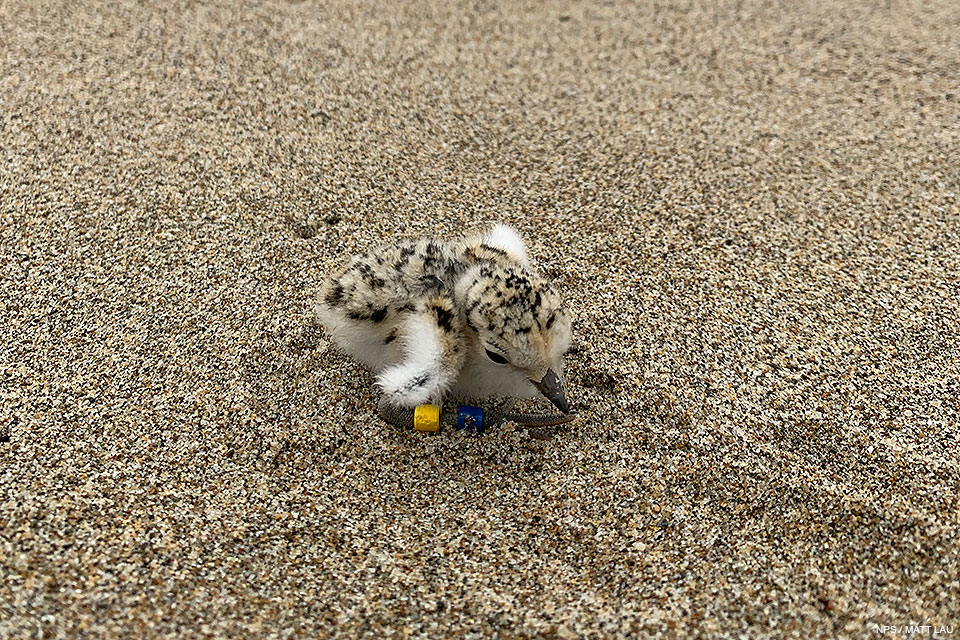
x=470 y=418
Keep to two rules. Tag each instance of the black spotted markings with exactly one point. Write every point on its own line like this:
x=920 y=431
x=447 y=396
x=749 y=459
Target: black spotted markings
x=375 y=315
x=496 y=250
x=368 y=276
x=444 y=318
x=335 y=295
x=417 y=382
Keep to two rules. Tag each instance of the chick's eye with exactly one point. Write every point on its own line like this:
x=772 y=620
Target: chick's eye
x=496 y=357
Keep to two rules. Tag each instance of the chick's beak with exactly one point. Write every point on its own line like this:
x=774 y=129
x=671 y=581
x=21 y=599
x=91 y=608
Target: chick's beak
x=550 y=387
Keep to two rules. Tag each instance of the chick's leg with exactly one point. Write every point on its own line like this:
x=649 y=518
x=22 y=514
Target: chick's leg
x=431 y=338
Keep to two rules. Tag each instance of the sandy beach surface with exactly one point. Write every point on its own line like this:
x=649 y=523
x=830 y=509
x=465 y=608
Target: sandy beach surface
x=752 y=210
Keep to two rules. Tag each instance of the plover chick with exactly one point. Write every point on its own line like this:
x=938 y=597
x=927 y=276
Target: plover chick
x=469 y=319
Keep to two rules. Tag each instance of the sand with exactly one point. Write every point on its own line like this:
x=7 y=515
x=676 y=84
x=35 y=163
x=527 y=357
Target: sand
x=752 y=211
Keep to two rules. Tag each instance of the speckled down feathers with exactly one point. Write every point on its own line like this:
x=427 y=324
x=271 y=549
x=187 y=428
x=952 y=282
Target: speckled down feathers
x=425 y=315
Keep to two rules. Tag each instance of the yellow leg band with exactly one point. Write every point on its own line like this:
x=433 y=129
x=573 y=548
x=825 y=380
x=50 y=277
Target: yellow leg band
x=426 y=417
